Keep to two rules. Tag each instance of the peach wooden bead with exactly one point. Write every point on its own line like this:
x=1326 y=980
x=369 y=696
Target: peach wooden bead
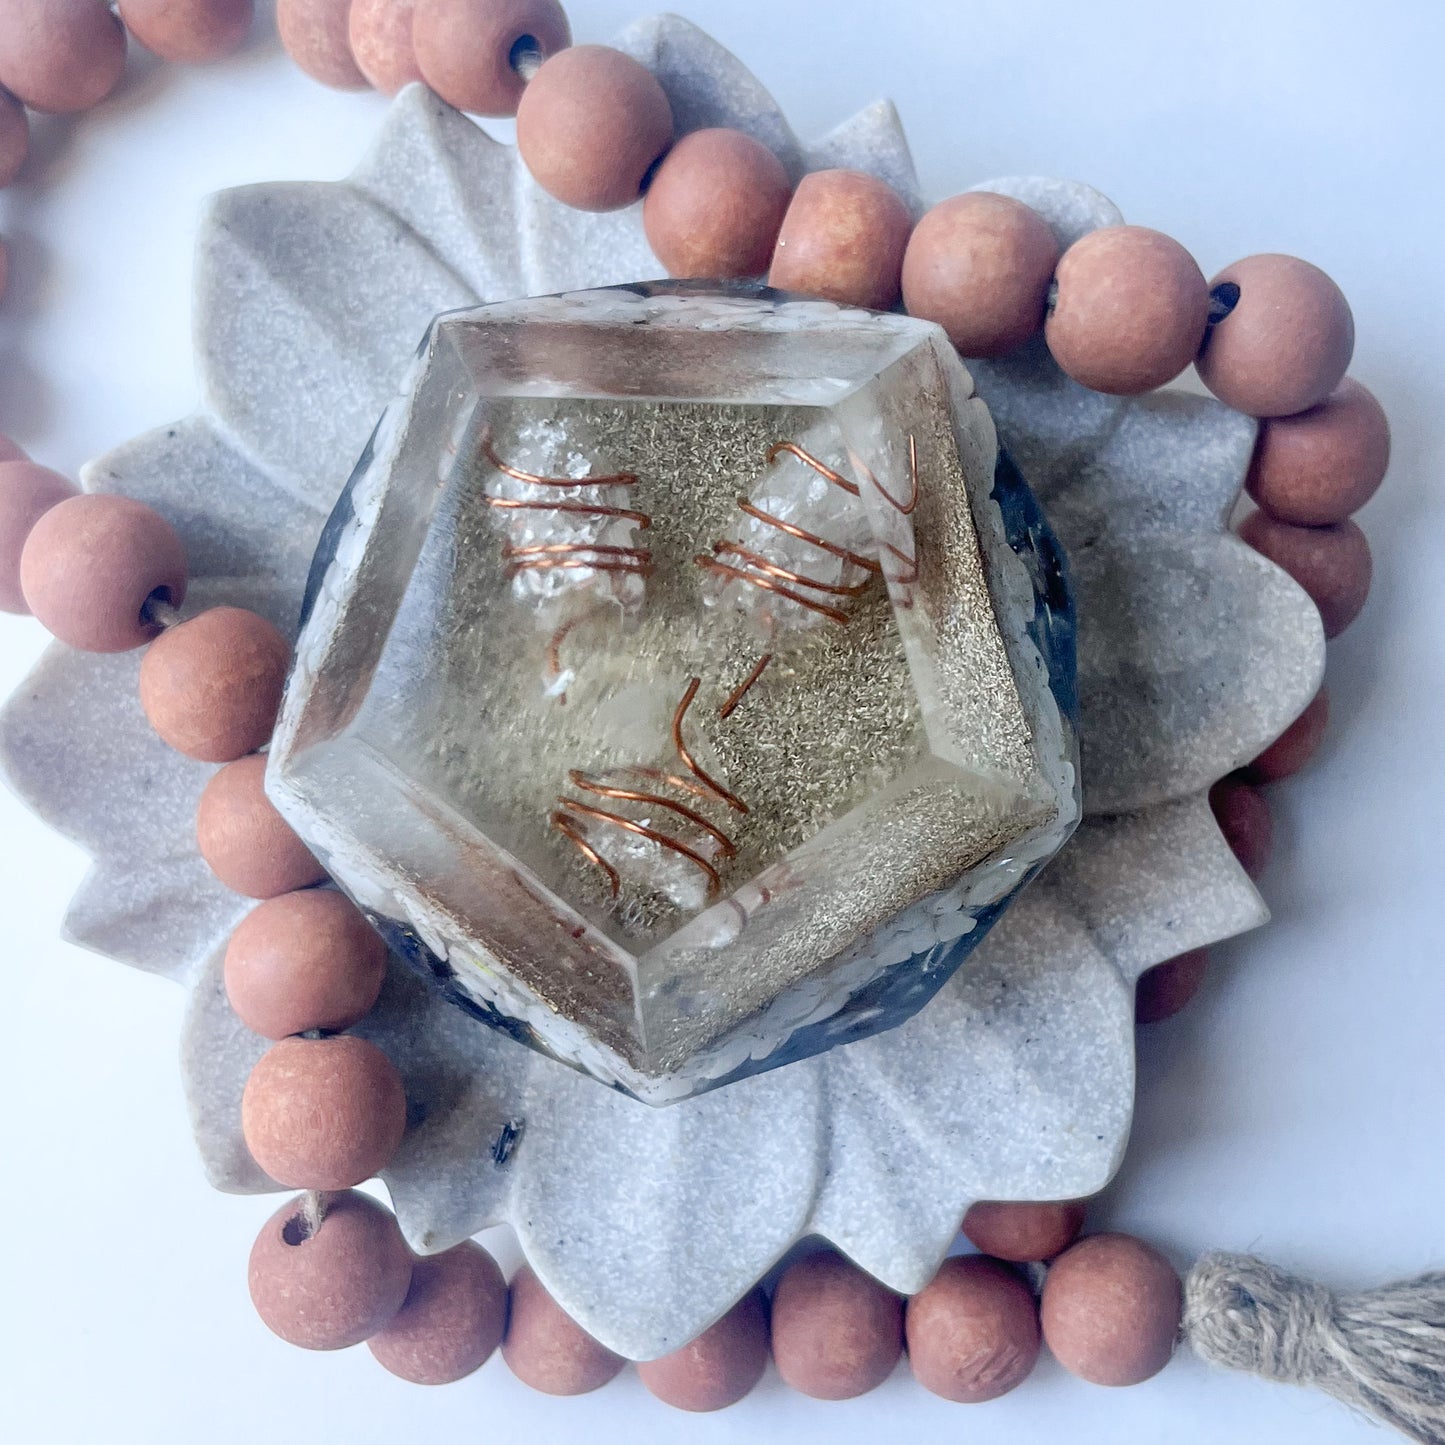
x=1111 y=1308
x=1129 y=312
x=14 y=137
x=335 y=1286
x=1332 y=564
x=546 y=1348
x=211 y=687
x=1244 y=818
x=1168 y=988
x=60 y=55
x=27 y=492
x=323 y=1113
x=1023 y=1232
x=843 y=238
x=246 y=843
x=1325 y=463
x=304 y=961
x=93 y=562
x=1285 y=344
x=453 y=1318
x=837 y=1332
x=980 y=265
x=719 y=1367
x=1299 y=742
x=317 y=37
x=973 y=1330
x=381 y=43
x=189 y=32
x=591 y=124
x=467 y=48
x=11 y=450
x=716 y=205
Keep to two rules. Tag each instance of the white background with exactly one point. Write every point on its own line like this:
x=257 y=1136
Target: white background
x=1295 y=1110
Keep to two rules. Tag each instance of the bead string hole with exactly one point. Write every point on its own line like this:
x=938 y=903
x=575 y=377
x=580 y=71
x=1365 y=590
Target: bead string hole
x=525 y=56
x=297 y=1230
x=1222 y=300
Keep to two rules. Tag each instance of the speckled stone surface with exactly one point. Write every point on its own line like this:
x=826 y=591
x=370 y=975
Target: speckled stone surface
x=1016 y=1082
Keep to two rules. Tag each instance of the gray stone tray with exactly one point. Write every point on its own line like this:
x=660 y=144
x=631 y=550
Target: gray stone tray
x=1016 y=1082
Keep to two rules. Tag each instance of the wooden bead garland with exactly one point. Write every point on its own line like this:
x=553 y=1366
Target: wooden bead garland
x=1129 y=311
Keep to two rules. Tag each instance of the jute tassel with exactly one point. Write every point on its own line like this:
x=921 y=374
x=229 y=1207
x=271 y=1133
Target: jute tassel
x=1382 y=1351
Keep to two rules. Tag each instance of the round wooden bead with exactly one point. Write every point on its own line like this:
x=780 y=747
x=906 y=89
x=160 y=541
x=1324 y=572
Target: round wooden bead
x=980 y=265
x=92 y=563
x=546 y=1348
x=246 y=843
x=1111 y=1308
x=323 y=1113
x=1169 y=987
x=1244 y=818
x=11 y=450
x=60 y=55
x=1299 y=742
x=1129 y=311
x=719 y=1367
x=1332 y=564
x=334 y=1286
x=1325 y=463
x=843 y=238
x=1023 y=1232
x=837 y=1332
x=715 y=206
x=189 y=32
x=453 y=1318
x=14 y=138
x=591 y=125
x=211 y=687
x=316 y=34
x=1286 y=341
x=27 y=492
x=381 y=43
x=468 y=49
x=973 y=1330
x=304 y=961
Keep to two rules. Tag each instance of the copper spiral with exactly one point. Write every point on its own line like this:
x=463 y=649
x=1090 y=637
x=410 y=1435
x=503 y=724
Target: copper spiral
x=700 y=785
x=596 y=557
x=760 y=572
x=907 y=509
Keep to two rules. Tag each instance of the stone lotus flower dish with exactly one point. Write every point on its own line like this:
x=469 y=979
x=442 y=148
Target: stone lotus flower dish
x=1014 y=1080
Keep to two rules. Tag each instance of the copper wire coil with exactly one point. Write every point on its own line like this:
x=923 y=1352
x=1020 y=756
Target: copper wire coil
x=744 y=687
x=615 y=479
x=907 y=508
x=910 y=562
x=663 y=840
x=581 y=509
x=856 y=558
x=588 y=784
x=756 y=559
x=691 y=763
x=808 y=459
x=768 y=584
x=550 y=564
x=553 y=651
x=656 y=775
x=570 y=831
x=546 y=556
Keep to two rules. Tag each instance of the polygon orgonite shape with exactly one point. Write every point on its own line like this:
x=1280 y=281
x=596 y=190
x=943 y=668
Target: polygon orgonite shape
x=687 y=682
